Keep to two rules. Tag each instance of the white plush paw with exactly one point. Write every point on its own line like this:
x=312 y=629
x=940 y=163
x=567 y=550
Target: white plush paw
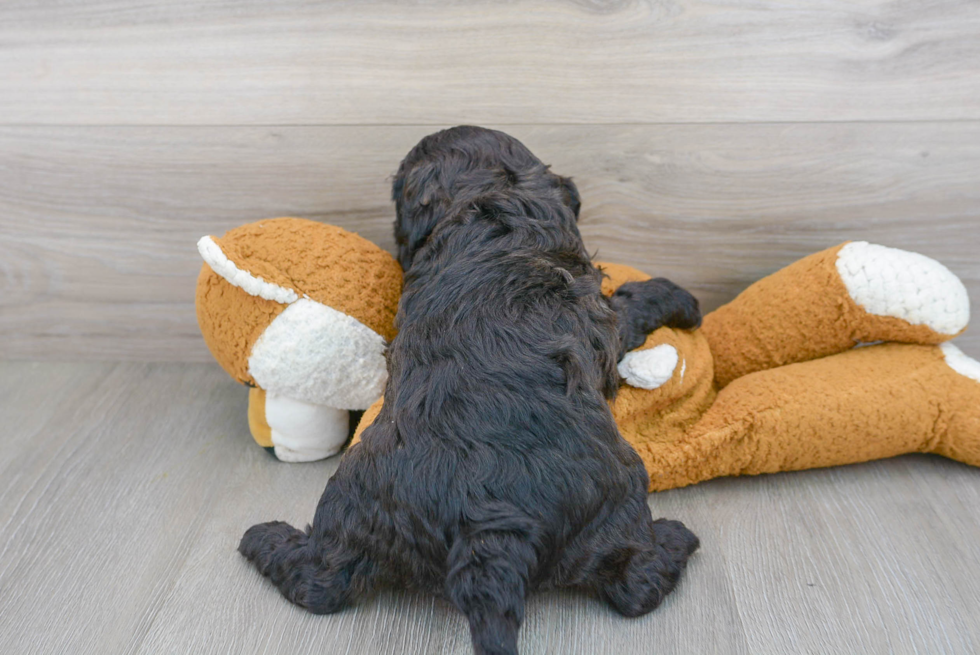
x=906 y=285
x=961 y=362
x=649 y=369
x=302 y=432
x=285 y=454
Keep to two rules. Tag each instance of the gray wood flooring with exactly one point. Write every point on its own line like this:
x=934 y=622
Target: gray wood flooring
x=124 y=488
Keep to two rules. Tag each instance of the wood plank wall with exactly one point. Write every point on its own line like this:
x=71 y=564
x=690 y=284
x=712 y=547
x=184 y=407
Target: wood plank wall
x=713 y=142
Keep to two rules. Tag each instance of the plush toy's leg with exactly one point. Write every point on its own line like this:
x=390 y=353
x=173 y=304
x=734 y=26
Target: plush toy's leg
x=960 y=420
x=865 y=404
x=830 y=301
x=298 y=431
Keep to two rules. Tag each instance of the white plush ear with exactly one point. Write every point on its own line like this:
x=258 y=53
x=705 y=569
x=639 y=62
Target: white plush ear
x=649 y=369
x=251 y=284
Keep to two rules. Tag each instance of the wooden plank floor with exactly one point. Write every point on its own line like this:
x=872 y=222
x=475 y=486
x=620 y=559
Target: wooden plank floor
x=124 y=488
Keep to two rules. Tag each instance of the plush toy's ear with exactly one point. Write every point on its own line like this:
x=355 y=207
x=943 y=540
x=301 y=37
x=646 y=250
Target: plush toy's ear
x=233 y=309
x=288 y=259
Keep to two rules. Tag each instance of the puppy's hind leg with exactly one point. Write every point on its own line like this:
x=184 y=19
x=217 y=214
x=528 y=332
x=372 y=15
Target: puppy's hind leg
x=635 y=578
x=321 y=580
x=488 y=578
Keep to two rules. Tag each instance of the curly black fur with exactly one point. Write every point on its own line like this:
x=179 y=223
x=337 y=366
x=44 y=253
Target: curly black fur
x=495 y=467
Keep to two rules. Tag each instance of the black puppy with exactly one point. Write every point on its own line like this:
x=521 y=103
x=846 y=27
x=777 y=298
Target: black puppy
x=495 y=467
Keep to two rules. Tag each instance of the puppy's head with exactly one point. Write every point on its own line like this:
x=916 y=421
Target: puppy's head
x=462 y=162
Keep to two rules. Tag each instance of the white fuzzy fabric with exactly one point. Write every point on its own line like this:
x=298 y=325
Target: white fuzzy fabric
x=302 y=432
x=649 y=369
x=906 y=285
x=316 y=354
x=961 y=362
x=251 y=284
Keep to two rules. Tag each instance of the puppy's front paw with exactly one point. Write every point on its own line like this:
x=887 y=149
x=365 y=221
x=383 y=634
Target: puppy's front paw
x=687 y=315
x=643 y=307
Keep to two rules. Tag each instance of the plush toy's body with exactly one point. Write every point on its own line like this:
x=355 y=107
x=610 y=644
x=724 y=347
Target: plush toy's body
x=772 y=381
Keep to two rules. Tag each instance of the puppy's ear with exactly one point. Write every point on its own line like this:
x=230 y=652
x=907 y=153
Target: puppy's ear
x=570 y=195
x=420 y=203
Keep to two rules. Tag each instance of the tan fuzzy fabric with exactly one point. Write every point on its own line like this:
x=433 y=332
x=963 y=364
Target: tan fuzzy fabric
x=799 y=313
x=257 y=423
x=641 y=413
x=231 y=321
x=666 y=413
x=367 y=419
x=865 y=404
x=323 y=262
x=847 y=405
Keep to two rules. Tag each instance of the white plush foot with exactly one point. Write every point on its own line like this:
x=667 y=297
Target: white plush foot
x=961 y=362
x=906 y=285
x=649 y=369
x=302 y=432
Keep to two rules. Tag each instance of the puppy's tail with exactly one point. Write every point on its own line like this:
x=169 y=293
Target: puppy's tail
x=488 y=581
x=285 y=555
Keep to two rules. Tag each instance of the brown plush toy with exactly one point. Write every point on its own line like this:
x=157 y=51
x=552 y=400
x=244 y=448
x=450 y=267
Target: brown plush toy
x=773 y=380
x=301 y=312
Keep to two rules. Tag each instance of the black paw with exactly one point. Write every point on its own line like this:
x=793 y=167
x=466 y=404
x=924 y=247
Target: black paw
x=260 y=540
x=676 y=538
x=643 y=307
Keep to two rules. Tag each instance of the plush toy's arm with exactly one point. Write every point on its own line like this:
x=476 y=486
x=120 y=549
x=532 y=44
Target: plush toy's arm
x=830 y=301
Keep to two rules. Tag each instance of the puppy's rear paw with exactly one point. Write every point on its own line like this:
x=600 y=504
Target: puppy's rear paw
x=259 y=541
x=675 y=537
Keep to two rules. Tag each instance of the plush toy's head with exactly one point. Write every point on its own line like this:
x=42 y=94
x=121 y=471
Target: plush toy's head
x=300 y=309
